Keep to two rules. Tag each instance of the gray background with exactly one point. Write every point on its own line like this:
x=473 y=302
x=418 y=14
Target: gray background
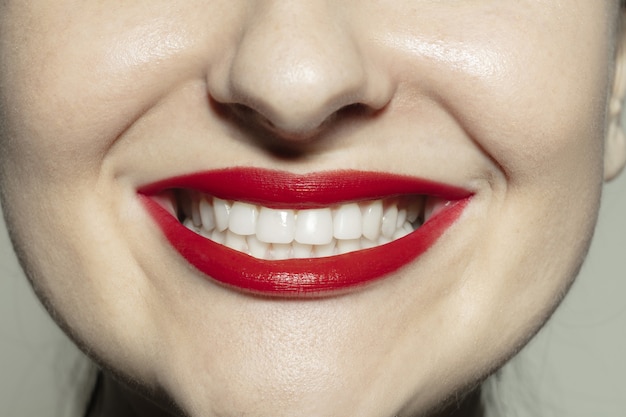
x=575 y=367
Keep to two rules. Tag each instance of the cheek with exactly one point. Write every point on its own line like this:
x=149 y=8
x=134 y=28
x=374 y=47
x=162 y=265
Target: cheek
x=80 y=78
x=538 y=114
x=540 y=117
x=544 y=123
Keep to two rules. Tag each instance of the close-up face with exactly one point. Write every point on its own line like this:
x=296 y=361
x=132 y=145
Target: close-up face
x=261 y=208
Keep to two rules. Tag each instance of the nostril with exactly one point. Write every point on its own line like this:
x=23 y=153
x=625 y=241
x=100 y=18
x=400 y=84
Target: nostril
x=297 y=126
x=262 y=127
x=251 y=117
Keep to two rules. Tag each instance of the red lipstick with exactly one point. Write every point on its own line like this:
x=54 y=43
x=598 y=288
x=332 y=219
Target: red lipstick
x=278 y=189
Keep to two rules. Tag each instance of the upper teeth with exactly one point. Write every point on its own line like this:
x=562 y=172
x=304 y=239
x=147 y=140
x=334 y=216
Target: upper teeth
x=268 y=233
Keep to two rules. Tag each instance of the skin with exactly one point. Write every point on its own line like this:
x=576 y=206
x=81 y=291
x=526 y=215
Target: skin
x=507 y=99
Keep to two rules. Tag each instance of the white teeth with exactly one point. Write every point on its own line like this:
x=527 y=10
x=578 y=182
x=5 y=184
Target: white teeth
x=314 y=226
x=206 y=214
x=257 y=248
x=301 y=250
x=222 y=210
x=206 y=233
x=280 y=251
x=390 y=218
x=236 y=242
x=278 y=234
x=414 y=209
x=188 y=223
x=400 y=233
x=242 y=219
x=433 y=206
x=401 y=218
x=276 y=226
x=367 y=244
x=348 y=245
x=347 y=222
x=218 y=237
x=372 y=219
x=325 y=250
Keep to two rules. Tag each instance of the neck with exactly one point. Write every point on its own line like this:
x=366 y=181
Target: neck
x=113 y=399
x=469 y=406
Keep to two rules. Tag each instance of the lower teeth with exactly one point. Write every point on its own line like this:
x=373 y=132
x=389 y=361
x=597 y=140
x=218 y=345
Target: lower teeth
x=250 y=245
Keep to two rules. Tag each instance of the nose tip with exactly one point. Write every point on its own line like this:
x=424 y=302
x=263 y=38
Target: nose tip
x=296 y=97
x=295 y=67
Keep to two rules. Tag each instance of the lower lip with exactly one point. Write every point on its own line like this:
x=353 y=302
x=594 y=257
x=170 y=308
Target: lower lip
x=300 y=277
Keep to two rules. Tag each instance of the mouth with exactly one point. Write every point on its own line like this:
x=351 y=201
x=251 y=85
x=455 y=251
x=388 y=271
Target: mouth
x=280 y=234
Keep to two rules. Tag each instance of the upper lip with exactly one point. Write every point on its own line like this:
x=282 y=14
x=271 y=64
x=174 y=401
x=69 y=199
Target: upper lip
x=281 y=189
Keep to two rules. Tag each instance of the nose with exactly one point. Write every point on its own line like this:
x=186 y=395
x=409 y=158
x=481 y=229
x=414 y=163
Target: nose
x=295 y=66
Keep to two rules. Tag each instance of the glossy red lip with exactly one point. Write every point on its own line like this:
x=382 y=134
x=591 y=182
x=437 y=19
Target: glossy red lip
x=277 y=189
